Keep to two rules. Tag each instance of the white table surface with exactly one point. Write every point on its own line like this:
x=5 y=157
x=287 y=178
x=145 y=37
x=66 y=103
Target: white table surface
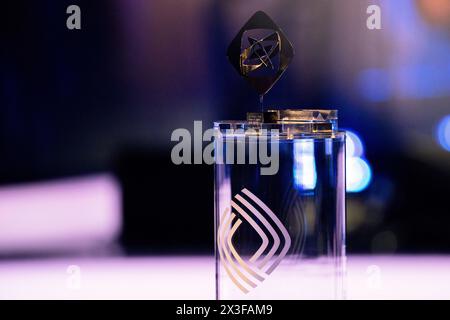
x=368 y=277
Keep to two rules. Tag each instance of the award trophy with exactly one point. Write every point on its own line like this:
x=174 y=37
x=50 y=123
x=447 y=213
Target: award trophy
x=279 y=186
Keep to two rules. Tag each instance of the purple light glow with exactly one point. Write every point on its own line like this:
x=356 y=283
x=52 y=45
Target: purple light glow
x=368 y=277
x=71 y=214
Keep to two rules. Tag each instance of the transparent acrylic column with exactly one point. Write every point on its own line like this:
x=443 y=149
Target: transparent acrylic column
x=281 y=236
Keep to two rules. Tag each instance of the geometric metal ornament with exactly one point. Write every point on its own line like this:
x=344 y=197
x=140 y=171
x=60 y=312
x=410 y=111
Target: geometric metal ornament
x=260 y=52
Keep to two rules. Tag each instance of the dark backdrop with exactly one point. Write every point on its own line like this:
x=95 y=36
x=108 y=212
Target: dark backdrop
x=107 y=97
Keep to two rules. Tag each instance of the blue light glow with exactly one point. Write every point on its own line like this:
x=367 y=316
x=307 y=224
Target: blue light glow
x=305 y=176
x=443 y=133
x=358 y=171
x=353 y=145
x=358 y=174
x=374 y=84
x=416 y=81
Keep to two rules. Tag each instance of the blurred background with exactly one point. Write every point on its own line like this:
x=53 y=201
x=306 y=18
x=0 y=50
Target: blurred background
x=86 y=118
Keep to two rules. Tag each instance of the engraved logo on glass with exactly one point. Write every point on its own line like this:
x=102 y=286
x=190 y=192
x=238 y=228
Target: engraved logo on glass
x=249 y=208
